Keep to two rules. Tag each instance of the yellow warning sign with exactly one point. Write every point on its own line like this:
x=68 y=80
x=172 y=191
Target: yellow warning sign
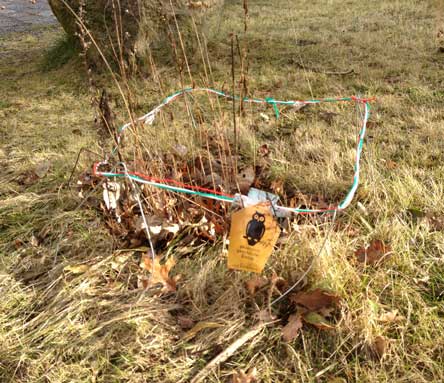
x=254 y=231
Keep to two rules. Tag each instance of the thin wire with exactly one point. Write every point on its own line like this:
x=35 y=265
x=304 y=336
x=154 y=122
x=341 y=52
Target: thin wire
x=145 y=223
x=327 y=236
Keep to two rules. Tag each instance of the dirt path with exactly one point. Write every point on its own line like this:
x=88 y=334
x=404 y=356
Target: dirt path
x=22 y=15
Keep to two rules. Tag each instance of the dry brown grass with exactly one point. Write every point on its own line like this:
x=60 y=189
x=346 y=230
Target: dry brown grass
x=60 y=322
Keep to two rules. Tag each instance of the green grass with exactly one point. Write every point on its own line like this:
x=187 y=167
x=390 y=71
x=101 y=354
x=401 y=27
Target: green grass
x=60 y=53
x=97 y=326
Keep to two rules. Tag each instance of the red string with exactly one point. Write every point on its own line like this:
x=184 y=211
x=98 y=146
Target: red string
x=166 y=181
x=363 y=100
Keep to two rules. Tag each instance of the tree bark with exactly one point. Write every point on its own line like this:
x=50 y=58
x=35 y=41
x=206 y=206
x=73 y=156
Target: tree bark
x=122 y=28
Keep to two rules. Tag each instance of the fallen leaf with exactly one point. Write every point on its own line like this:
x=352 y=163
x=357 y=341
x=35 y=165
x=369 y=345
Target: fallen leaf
x=245 y=179
x=278 y=283
x=118 y=261
x=264 y=117
x=111 y=194
x=277 y=186
x=298 y=106
x=265 y=316
x=422 y=281
x=34 y=241
x=326 y=311
x=254 y=284
x=375 y=253
x=242 y=377
x=27 y=178
x=185 y=322
x=328 y=117
x=160 y=273
x=181 y=150
x=436 y=223
x=42 y=168
x=291 y=330
x=197 y=5
x=391 y=165
x=390 y=317
x=263 y=150
x=198 y=328
x=317 y=320
x=379 y=346
x=315 y=299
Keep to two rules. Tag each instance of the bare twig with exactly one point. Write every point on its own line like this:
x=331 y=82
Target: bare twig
x=228 y=352
x=319 y=70
x=234 y=106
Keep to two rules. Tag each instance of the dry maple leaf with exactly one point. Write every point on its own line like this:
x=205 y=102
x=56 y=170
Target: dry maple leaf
x=160 y=273
x=291 y=330
x=242 y=377
x=379 y=346
x=316 y=299
x=375 y=253
x=254 y=284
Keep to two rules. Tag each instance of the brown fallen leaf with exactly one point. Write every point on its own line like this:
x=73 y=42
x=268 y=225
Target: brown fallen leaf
x=265 y=316
x=379 y=346
x=245 y=179
x=254 y=284
x=160 y=273
x=391 y=317
x=315 y=299
x=377 y=252
x=278 y=283
x=185 y=322
x=242 y=377
x=42 y=168
x=317 y=320
x=435 y=222
x=277 y=186
x=326 y=311
x=391 y=165
x=18 y=243
x=291 y=330
x=263 y=150
x=27 y=178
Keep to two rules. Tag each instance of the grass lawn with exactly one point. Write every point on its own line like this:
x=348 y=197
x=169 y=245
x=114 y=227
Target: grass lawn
x=71 y=309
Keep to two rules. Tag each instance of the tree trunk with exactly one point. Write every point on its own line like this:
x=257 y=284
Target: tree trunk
x=125 y=28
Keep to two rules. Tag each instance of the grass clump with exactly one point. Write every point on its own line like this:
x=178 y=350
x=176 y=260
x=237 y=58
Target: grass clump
x=73 y=308
x=63 y=50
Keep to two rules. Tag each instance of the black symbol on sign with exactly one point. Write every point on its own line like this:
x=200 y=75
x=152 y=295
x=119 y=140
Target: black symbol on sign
x=255 y=228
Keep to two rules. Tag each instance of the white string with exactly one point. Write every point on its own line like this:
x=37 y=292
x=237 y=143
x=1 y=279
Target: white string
x=145 y=223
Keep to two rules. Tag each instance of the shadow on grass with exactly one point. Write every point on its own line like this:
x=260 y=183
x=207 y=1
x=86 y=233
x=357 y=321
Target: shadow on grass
x=60 y=53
